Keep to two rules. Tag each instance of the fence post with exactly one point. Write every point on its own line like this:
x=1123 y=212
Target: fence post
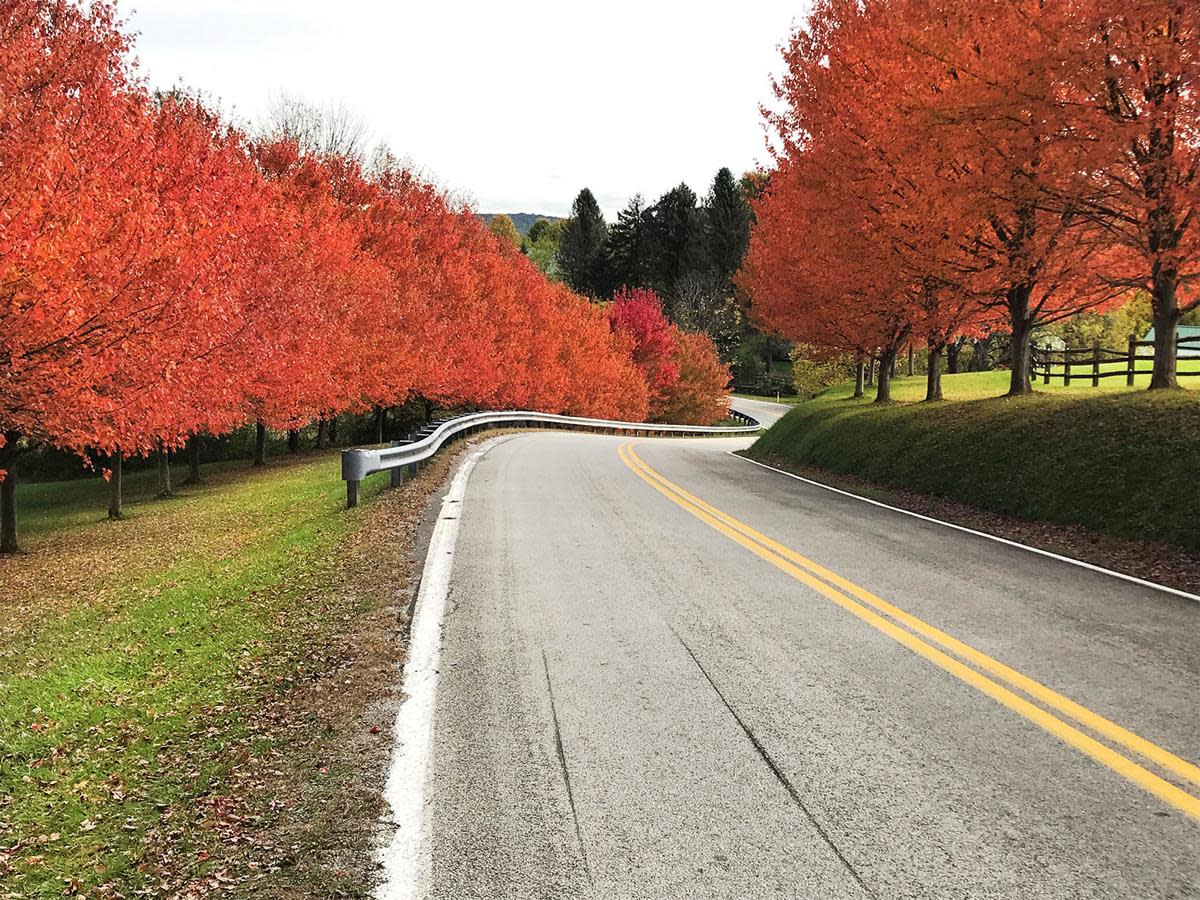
x=1047 y=361
x=1096 y=364
x=1131 y=362
x=1066 y=367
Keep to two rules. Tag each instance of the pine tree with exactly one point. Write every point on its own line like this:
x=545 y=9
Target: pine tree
x=727 y=224
x=677 y=237
x=628 y=252
x=583 y=234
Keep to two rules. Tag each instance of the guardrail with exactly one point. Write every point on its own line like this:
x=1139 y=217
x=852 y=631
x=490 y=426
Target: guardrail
x=358 y=463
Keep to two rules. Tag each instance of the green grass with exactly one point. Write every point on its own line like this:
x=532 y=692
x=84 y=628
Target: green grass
x=126 y=650
x=1118 y=461
x=1081 y=374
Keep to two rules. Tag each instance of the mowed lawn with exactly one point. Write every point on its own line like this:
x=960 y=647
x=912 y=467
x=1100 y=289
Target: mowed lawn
x=132 y=655
x=981 y=385
x=1116 y=460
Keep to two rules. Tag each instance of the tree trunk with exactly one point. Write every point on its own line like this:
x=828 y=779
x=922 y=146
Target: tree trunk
x=322 y=434
x=1021 y=326
x=115 y=498
x=860 y=371
x=164 y=472
x=293 y=440
x=8 y=494
x=981 y=355
x=333 y=430
x=380 y=423
x=870 y=371
x=260 y=444
x=887 y=361
x=1165 y=303
x=953 y=349
x=910 y=361
x=193 y=449
x=933 y=378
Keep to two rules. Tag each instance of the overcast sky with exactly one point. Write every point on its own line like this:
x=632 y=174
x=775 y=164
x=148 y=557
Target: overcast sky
x=514 y=105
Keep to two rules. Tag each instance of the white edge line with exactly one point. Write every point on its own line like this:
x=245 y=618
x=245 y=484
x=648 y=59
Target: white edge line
x=983 y=534
x=405 y=859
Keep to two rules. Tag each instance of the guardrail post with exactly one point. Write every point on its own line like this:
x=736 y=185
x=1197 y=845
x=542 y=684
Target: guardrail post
x=1131 y=362
x=397 y=476
x=351 y=494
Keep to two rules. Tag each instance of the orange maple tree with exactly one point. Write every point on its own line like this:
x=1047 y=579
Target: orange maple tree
x=163 y=278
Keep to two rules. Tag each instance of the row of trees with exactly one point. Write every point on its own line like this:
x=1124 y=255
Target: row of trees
x=684 y=250
x=947 y=169
x=163 y=276
x=656 y=246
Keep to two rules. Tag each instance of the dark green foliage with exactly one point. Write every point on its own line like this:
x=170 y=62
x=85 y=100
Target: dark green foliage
x=629 y=251
x=1103 y=461
x=726 y=224
x=677 y=237
x=537 y=229
x=579 y=252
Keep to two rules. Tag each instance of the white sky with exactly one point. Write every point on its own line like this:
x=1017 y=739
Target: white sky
x=516 y=105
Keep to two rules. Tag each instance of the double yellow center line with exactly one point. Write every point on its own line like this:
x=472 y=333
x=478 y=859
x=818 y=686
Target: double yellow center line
x=972 y=666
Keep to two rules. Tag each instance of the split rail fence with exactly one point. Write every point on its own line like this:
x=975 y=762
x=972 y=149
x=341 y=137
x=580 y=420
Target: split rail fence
x=1096 y=362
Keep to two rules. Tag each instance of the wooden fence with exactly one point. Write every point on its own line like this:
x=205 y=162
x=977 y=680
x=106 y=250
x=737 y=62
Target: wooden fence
x=1093 y=363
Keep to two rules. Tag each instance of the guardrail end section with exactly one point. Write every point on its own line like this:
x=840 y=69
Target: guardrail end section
x=354 y=464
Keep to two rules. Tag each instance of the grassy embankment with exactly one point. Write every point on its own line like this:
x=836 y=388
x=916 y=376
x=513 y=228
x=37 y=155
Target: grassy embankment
x=145 y=668
x=1118 y=461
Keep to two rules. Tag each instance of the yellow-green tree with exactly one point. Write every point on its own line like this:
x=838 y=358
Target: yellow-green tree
x=502 y=227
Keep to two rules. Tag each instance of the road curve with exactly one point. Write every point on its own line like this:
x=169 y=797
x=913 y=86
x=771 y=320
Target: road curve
x=638 y=698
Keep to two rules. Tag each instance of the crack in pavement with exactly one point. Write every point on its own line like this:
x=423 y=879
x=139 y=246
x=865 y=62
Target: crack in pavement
x=776 y=771
x=562 y=763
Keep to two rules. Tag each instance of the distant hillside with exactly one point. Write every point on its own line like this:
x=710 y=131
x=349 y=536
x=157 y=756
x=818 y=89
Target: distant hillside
x=523 y=221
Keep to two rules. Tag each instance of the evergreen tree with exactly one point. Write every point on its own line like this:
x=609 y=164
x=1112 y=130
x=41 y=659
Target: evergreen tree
x=583 y=234
x=677 y=239
x=727 y=224
x=628 y=252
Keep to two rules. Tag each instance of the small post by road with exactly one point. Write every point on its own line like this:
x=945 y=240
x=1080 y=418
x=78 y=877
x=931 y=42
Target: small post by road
x=351 y=494
x=1131 y=361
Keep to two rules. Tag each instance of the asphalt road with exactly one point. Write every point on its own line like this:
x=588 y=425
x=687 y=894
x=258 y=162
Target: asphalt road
x=634 y=701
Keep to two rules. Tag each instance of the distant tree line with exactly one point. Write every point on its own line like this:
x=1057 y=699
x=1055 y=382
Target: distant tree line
x=683 y=248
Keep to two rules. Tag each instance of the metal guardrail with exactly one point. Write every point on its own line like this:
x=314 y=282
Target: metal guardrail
x=358 y=463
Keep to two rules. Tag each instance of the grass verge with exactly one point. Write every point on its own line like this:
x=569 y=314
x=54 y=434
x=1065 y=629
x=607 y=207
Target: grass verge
x=1119 y=463
x=195 y=700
